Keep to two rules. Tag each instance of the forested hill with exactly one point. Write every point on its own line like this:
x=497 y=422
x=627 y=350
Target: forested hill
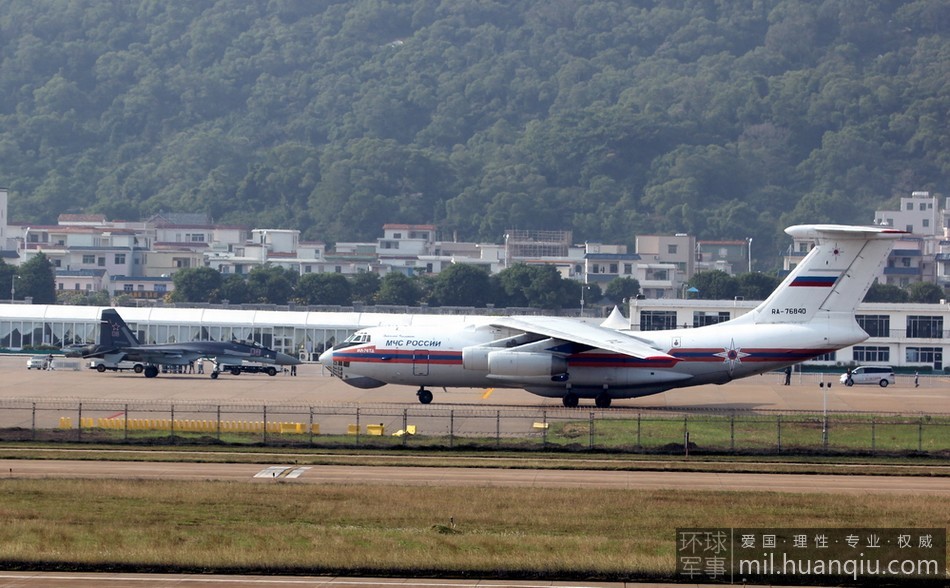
x=611 y=118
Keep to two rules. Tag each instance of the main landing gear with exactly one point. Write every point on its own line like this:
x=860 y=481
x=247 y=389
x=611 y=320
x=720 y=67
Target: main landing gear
x=425 y=396
x=571 y=400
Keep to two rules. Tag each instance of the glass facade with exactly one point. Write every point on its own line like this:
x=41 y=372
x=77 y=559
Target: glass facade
x=293 y=340
x=657 y=320
x=875 y=325
x=871 y=354
x=924 y=327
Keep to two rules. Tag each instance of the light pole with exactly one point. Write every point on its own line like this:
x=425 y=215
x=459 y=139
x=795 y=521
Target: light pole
x=506 y=251
x=750 y=254
x=13 y=278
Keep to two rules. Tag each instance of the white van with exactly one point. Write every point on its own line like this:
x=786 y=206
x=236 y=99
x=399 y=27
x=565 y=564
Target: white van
x=101 y=365
x=882 y=375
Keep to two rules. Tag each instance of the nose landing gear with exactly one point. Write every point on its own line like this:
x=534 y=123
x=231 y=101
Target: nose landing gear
x=425 y=396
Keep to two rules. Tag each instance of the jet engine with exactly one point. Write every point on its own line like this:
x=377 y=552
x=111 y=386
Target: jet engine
x=525 y=364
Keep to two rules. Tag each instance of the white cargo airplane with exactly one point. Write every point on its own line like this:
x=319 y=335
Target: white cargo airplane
x=809 y=314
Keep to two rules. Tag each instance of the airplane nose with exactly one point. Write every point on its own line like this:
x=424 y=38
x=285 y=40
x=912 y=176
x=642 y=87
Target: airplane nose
x=284 y=359
x=326 y=358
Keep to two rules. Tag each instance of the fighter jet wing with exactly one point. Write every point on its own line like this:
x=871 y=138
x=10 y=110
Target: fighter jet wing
x=583 y=334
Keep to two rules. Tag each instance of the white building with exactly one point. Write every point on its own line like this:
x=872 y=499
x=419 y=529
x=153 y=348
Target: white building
x=902 y=335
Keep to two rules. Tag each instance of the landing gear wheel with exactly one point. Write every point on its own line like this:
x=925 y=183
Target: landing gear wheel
x=235 y=371
x=602 y=401
x=150 y=371
x=570 y=400
x=425 y=397
x=271 y=371
x=214 y=375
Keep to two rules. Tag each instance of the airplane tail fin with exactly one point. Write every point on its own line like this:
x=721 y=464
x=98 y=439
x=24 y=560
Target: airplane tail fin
x=833 y=278
x=113 y=332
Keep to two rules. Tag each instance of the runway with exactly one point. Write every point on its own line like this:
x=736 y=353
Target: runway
x=451 y=476
x=315 y=387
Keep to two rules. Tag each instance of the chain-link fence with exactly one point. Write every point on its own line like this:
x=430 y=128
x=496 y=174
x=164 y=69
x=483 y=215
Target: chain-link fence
x=621 y=430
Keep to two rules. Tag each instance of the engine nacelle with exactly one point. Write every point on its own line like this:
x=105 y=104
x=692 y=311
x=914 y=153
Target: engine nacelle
x=524 y=364
x=476 y=357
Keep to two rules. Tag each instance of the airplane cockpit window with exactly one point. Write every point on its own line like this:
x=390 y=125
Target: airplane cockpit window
x=355 y=339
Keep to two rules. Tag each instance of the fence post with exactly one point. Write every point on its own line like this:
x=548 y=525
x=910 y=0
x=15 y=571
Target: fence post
x=173 y=423
x=590 y=444
x=311 y=426
x=544 y=429
x=357 y=425
x=873 y=436
x=452 y=428
x=825 y=433
x=639 y=445
x=264 y=432
x=778 y=422
x=405 y=426
x=497 y=429
x=79 y=430
x=920 y=434
x=126 y=424
x=732 y=432
x=33 y=425
x=218 y=412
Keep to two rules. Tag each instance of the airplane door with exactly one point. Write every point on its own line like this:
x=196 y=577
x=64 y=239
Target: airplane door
x=420 y=362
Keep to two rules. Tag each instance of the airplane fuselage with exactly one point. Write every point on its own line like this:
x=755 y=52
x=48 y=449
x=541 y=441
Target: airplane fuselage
x=474 y=357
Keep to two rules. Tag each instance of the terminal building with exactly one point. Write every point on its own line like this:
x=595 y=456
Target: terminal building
x=910 y=336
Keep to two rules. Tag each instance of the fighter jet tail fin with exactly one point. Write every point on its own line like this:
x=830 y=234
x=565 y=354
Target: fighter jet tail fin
x=113 y=332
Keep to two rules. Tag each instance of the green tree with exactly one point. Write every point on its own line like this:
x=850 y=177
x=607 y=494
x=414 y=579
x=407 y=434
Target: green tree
x=592 y=294
x=234 y=289
x=198 y=284
x=398 y=289
x=326 y=289
x=715 y=285
x=36 y=280
x=756 y=285
x=537 y=286
x=364 y=286
x=885 y=293
x=620 y=289
x=271 y=284
x=926 y=292
x=462 y=284
x=7 y=278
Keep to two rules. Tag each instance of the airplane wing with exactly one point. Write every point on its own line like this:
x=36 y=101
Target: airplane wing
x=160 y=355
x=583 y=334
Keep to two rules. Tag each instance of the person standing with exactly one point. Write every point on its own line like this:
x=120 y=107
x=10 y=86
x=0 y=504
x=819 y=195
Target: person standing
x=788 y=375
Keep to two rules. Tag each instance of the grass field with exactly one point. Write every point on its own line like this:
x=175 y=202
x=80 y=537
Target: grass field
x=484 y=531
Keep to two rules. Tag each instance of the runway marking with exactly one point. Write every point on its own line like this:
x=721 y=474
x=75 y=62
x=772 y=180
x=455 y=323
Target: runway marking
x=487 y=393
x=271 y=472
x=297 y=472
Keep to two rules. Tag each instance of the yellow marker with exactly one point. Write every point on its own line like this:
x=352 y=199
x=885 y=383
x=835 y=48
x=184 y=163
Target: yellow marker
x=487 y=393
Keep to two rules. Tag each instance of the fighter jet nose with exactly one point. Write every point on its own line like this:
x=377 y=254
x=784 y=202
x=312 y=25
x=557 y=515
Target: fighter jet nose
x=284 y=359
